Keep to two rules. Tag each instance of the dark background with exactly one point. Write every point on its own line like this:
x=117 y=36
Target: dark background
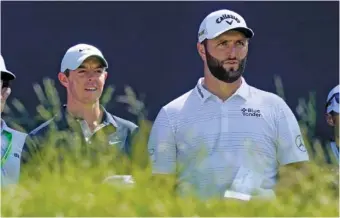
x=151 y=46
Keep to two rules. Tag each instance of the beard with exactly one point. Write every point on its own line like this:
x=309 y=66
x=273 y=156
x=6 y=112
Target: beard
x=219 y=72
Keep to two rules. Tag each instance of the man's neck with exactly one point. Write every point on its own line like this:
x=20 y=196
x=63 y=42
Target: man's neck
x=91 y=113
x=221 y=89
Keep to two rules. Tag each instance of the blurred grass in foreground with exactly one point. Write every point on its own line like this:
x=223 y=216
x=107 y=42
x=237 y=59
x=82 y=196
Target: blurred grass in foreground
x=79 y=190
x=76 y=193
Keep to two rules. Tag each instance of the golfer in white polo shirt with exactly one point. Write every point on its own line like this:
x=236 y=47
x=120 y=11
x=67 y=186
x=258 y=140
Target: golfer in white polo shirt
x=225 y=134
x=12 y=141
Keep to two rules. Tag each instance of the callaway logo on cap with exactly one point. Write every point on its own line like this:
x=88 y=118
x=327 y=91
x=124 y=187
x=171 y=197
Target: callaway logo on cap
x=221 y=21
x=76 y=55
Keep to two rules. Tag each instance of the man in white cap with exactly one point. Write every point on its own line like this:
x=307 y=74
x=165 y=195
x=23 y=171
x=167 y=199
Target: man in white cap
x=12 y=141
x=332 y=118
x=225 y=136
x=83 y=73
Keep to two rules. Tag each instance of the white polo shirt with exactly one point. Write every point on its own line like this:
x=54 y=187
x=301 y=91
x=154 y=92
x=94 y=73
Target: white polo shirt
x=10 y=171
x=206 y=141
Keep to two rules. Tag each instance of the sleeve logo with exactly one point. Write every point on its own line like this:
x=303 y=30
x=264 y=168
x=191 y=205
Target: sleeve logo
x=299 y=144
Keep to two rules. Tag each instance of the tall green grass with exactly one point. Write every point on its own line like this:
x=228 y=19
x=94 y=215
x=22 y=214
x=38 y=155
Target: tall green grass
x=77 y=189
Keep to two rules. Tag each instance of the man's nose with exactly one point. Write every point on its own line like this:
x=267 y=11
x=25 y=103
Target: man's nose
x=232 y=52
x=91 y=75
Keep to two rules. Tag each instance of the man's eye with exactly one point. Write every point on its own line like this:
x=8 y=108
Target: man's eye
x=240 y=43
x=224 y=43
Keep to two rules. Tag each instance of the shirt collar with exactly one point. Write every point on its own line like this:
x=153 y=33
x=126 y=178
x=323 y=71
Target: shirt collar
x=107 y=117
x=3 y=125
x=243 y=91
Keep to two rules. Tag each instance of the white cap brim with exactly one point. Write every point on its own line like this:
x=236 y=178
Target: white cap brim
x=84 y=57
x=246 y=31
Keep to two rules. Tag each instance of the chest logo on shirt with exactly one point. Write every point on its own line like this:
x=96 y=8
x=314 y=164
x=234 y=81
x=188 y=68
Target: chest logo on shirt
x=251 y=112
x=114 y=139
x=118 y=137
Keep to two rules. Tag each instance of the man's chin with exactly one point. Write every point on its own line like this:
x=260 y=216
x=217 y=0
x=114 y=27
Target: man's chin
x=232 y=78
x=234 y=74
x=89 y=99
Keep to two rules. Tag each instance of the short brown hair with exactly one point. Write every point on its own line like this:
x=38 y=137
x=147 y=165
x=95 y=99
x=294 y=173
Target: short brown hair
x=67 y=72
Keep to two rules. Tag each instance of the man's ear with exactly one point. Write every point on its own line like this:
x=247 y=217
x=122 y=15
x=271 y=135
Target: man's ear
x=63 y=79
x=201 y=51
x=330 y=120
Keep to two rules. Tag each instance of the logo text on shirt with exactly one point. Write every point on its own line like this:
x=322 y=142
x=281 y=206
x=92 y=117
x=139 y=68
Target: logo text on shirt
x=251 y=112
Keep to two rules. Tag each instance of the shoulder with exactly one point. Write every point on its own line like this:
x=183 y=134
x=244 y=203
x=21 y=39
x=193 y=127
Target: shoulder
x=125 y=123
x=17 y=135
x=42 y=128
x=269 y=99
x=11 y=130
x=177 y=105
x=266 y=96
x=16 y=132
x=171 y=112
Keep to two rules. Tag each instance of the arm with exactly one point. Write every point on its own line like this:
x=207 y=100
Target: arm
x=29 y=149
x=138 y=151
x=29 y=155
x=162 y=151
x=32 y=144
x=292 y=154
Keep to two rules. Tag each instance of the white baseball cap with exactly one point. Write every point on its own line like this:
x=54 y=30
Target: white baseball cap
x=333 y=100
x=221 y=21
x=5 y=74
x=77 y=54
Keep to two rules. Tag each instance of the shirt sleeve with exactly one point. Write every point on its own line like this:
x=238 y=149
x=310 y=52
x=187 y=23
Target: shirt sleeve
x=162 y=145
x=291 y=147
